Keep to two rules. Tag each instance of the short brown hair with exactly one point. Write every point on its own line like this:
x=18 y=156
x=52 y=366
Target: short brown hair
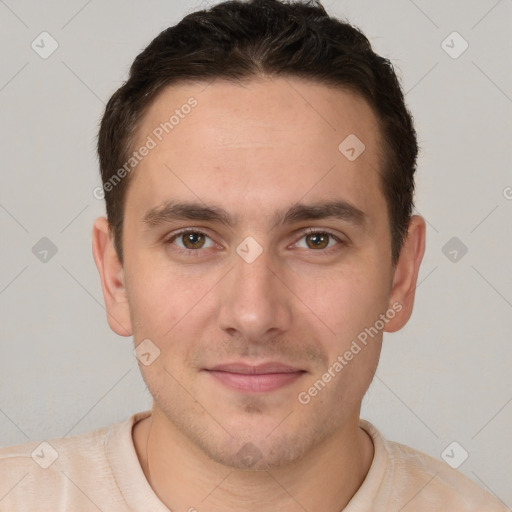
x=237 y=40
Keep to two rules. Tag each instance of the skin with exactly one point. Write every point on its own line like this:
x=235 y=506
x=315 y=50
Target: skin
x=254 y=149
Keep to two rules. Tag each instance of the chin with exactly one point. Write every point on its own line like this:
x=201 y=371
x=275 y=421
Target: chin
x=253 y=455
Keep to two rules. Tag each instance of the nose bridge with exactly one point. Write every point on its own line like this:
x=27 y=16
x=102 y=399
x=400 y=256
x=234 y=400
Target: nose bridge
x=254 y=301
x=254 y=279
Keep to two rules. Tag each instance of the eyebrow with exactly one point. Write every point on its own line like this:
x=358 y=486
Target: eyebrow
x=337 y=209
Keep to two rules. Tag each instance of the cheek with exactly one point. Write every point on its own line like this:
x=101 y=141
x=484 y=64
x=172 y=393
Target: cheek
x=343 y=302
x=158 y=297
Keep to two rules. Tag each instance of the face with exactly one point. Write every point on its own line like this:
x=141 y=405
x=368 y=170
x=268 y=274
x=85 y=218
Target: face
x=255 y=255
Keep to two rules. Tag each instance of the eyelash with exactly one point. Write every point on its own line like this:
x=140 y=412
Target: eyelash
x=308 y=231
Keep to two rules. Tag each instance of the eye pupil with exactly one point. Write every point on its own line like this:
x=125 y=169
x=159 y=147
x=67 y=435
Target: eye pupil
x=319 y=240
x=193 y=240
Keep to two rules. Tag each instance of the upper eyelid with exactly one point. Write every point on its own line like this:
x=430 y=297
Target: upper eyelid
x=182 y=231
x=307 y=231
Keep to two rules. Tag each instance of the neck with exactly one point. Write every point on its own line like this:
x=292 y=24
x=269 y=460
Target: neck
x=184 y=478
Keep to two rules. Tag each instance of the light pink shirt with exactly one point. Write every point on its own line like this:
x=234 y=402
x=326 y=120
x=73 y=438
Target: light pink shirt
x=100 y=471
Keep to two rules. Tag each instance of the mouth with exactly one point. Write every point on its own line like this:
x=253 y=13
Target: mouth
x=260 y=378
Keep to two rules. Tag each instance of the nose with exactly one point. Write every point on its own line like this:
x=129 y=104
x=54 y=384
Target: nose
x=255 y=304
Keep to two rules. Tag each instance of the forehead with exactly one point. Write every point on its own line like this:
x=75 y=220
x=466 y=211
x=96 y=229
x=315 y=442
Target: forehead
x=265 y=140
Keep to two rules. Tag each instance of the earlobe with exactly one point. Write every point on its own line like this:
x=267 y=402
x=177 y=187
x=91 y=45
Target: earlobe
x=112 y=278
x=406 y=273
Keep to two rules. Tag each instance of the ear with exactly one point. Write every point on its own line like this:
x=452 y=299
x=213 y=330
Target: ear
x=406 y=274
x=112 y=278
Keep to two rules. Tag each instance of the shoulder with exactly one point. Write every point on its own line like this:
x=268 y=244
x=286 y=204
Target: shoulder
x=50 y=472
x=54 y=452
x=439 y=484
x=416 y=482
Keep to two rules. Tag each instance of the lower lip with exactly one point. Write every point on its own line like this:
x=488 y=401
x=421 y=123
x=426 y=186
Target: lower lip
x=255 y=383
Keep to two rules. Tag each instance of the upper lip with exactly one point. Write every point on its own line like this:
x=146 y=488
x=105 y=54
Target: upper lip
x=259 y=369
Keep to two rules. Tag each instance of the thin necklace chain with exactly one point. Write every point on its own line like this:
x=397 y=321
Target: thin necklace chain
x=147 y=454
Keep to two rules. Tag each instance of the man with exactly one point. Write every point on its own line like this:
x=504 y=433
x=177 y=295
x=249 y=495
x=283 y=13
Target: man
x=258 y=173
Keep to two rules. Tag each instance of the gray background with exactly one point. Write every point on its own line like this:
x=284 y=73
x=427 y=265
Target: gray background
x=445 y=377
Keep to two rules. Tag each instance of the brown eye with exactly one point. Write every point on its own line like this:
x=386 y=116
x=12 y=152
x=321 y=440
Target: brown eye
x=318 y=240
x=191 y=240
